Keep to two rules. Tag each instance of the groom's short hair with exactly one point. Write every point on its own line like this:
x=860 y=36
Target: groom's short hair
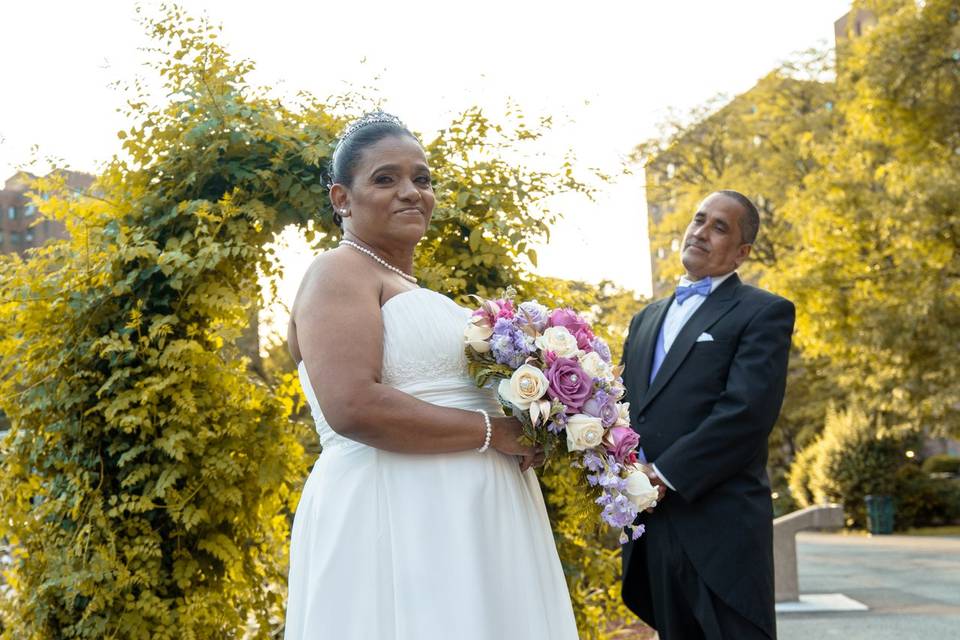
x=750 y=220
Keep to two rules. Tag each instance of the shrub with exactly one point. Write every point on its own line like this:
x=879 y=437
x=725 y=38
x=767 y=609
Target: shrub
x=853 y=457
x=923 y=501
x=942 y=464
x=799 y=475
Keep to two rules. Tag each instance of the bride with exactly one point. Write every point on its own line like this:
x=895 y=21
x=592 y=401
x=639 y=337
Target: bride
x=422 y=518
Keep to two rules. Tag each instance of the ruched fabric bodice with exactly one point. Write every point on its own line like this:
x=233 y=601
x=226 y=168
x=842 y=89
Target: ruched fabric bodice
x=423 y=355
x=398 y=546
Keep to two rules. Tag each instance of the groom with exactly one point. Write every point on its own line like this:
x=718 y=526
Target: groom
x=705 y=371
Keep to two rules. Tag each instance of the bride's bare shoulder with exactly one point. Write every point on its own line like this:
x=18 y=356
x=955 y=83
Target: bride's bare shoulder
x=336 y=279
x=336 y=275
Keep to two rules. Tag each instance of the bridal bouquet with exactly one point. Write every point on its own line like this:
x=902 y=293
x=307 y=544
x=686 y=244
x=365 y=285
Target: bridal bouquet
x=556 y=377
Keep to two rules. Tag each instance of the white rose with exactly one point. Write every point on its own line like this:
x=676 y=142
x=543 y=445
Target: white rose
x=526 y=385
x=595 y=367
x=478 y=337
x=558 y=340
x=639 y=489
x=583 y=432
x=623 y=419
x=616 y=389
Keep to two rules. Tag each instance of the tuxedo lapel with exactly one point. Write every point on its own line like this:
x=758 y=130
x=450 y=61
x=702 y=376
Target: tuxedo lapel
x=713 y=308
x=646 y=342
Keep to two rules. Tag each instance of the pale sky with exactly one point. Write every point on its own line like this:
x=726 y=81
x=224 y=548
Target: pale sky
x=607 y=71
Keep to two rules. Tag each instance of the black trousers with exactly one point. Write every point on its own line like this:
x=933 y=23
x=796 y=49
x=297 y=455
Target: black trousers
x=684 y=607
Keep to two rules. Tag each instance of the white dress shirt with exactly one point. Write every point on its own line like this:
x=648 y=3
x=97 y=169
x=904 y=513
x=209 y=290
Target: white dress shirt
x=677 y=316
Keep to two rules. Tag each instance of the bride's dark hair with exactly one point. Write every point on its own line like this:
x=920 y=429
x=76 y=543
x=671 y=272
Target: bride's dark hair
x=364 y=133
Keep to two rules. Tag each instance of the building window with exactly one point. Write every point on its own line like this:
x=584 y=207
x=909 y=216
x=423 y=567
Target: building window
x=28 y=236
x=12 y=213
x=29 y=210
x=1 y=238
x=14 y=238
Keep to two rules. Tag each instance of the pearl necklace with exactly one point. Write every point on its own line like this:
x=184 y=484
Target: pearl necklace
x=400 y=272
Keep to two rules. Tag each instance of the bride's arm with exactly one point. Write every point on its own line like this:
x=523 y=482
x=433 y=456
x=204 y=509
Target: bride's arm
x=340 y=335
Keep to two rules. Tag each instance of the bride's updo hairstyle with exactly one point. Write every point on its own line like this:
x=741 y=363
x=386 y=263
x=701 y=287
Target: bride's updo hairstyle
x=365 y=132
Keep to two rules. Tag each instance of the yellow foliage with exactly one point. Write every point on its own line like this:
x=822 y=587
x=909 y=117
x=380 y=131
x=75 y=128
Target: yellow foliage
x=150 y=474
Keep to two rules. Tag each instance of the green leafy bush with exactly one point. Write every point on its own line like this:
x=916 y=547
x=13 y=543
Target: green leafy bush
x=853 y=457
x=942 y=464
x=801 y=469
x=922 y=501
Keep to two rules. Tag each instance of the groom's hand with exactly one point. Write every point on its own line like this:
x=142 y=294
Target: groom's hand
x=656 y=481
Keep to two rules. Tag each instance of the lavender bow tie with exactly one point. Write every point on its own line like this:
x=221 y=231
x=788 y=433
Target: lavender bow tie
x=698 y=288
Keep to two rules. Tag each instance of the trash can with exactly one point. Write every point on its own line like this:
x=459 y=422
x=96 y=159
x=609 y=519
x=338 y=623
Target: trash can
x=879 y=514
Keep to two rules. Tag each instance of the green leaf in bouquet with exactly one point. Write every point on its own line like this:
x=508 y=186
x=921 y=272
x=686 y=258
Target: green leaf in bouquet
x=552 y=447
x=481 y=371
x=556 y=408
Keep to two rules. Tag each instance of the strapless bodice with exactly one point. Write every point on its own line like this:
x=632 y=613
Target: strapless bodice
x=423 y=355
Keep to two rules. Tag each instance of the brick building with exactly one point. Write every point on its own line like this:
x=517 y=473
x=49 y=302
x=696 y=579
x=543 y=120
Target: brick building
x=21 y=226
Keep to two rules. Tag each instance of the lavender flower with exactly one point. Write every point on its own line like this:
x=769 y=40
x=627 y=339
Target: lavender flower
x=558 y=423
x=592 y=460
x=618 y=510
x=509 y=344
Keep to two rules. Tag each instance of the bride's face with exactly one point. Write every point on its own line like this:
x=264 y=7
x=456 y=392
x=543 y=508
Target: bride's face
x=391 y=198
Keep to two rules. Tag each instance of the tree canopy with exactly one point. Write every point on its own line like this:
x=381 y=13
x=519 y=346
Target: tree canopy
x=856 y=173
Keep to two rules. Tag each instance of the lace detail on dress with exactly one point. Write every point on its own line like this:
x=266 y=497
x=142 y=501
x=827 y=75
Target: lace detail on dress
x=439 y=368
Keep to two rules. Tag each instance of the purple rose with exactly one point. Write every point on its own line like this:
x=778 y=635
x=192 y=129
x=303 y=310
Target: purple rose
x=604 y=406
x=601 y=348
x=569 y=384
x=621 y=442
x=534 y=314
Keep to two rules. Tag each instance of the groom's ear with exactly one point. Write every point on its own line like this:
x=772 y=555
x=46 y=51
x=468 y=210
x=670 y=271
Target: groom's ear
x=743 y=252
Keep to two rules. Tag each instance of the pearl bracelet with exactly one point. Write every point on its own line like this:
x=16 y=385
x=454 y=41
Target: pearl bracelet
x=486 y=422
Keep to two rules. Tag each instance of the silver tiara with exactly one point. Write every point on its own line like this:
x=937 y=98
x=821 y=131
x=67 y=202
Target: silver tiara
x=367 y=119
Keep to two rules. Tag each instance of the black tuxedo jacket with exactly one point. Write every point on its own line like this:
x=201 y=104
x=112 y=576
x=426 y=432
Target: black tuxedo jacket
x=704 y=421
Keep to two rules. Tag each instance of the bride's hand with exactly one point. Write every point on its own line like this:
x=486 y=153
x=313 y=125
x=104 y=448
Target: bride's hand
x=505 y=438
x=535 y=460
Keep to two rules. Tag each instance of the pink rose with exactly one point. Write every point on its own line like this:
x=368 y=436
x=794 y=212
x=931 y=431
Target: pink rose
x=572 y=322
x=493 y=310
x=584 y=338
x=621 y=443
x=569 y=384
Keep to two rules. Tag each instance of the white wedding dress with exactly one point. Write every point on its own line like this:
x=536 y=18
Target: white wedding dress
x=389 y=546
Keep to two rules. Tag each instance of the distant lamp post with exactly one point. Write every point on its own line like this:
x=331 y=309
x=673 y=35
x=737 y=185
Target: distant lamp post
x=911 y=453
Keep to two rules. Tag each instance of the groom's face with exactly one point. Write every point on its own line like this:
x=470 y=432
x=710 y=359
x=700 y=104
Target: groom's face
x=713 y=243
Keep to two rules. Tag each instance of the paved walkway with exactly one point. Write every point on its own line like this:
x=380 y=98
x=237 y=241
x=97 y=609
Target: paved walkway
x=910 y=583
